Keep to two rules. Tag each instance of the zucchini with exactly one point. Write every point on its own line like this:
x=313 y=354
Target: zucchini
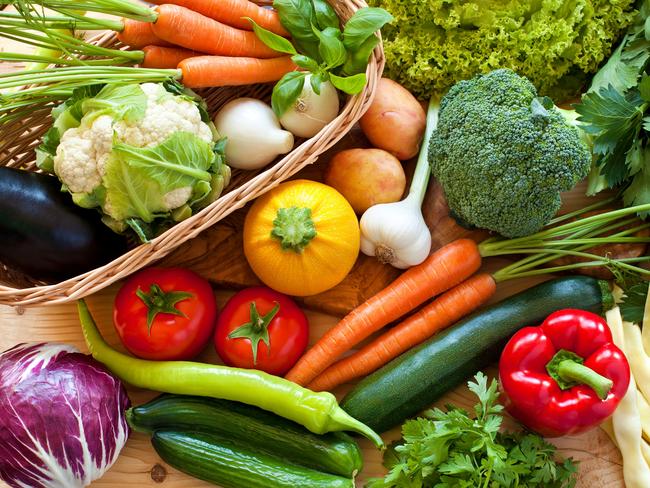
x=213 y=458
x=417 y=378
x=335 y=452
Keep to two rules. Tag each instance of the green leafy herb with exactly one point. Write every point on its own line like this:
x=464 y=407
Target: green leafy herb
x=633 y=304
x=331 y=47
x=349 y=84
x=325 y=15
x=363 y=24
x=297 y=16
x=273 y=40
x=613 y=112
x=287 y=90
x=322 y=48
x=451 y=449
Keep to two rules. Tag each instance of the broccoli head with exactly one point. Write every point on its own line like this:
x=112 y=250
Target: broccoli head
x=503 y=155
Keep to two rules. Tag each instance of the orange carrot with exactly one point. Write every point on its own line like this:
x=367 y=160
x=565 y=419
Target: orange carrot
x=186 y=28
x=165 y=57
x=204 y=71
x=234 y=13
x=442 y=270
x=138 y=34
x=444 y=311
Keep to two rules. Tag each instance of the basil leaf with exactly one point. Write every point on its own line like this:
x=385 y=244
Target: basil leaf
x=364 y=23
x=305 y=62
x=316 y=79
x=325 y=15
x=272 y=40
x=349 y=84
x=331 y=47
x=286 y=91
x=358 y=60
x=297 y=16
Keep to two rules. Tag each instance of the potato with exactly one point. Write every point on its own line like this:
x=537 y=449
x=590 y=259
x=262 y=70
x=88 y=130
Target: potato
x=395 y=120
x=366 y=177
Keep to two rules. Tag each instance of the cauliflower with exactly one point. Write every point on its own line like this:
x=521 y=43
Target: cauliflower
x=137 y=152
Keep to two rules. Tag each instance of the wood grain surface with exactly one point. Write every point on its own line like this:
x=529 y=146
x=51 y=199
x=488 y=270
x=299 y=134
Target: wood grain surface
x=139 y=466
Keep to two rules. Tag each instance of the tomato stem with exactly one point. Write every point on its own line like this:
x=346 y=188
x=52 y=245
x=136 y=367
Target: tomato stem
x=256 y=329
x=159 y=301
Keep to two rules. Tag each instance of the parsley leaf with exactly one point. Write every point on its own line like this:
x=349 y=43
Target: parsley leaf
x=450 y=449
x=633 y=303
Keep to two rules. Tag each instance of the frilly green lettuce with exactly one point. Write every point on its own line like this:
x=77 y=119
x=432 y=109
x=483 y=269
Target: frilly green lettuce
x=432 y=44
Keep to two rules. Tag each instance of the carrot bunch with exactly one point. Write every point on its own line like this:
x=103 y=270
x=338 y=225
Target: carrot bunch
x=212 y=42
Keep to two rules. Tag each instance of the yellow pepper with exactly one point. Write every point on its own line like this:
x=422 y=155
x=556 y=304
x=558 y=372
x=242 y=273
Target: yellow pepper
x=301 y=238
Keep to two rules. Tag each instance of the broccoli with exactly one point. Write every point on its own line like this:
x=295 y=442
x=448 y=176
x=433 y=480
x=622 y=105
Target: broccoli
x=503 y=155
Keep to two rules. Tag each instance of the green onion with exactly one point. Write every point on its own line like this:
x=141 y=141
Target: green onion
x=120 y=8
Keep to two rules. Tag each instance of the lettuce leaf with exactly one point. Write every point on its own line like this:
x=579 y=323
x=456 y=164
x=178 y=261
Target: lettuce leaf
x=432 y=44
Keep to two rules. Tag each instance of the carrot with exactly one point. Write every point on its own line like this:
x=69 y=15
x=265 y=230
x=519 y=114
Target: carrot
x=444 y=311
x=234 y=13
x=442 y=270
x=204 y=71
x=186 y=28
x=165 y=57
x=138 y=34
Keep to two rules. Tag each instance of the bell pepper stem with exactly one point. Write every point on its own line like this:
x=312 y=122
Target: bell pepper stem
x=571 y=370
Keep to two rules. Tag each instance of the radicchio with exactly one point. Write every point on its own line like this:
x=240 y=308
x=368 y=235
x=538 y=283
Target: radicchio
x=62 y=422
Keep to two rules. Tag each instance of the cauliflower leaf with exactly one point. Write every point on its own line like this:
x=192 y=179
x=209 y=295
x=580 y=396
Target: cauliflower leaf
x=137 y=179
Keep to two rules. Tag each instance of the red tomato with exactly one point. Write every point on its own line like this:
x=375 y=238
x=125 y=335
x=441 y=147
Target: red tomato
x=260 y=328
x=165 y=313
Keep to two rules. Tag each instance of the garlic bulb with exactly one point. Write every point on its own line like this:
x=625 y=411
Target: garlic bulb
x=396 y=233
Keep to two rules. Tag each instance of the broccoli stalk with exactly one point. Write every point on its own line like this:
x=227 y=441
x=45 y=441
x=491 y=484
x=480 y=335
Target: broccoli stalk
x=503 y=155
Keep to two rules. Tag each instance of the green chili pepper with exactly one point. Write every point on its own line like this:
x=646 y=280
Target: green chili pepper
x=318 y=412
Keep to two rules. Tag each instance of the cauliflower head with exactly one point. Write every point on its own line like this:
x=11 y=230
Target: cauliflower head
x=503 y=155
x=141 y=154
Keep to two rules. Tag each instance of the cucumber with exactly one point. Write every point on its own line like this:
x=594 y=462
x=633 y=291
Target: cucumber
x=335 y=453
x=213 y=458
x=417 y=378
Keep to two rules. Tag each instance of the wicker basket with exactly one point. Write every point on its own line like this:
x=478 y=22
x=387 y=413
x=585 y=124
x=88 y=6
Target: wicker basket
x=17 y=149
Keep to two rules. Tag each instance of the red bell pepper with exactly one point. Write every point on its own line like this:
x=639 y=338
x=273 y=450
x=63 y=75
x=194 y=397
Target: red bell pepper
x=564 y=376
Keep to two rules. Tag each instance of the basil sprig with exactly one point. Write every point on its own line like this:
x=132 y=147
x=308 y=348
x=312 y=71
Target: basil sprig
x=319 y=46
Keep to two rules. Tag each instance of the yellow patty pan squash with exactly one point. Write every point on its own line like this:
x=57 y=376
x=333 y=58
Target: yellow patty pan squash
x=301 y=238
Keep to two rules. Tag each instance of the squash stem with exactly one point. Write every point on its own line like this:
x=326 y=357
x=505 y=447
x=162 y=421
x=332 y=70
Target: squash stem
x=294 y=228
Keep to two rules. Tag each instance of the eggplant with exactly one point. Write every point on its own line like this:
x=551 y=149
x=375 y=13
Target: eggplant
x=44 y=234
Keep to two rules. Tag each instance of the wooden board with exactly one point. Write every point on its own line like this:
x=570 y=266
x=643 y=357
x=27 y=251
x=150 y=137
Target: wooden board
x=138 y=464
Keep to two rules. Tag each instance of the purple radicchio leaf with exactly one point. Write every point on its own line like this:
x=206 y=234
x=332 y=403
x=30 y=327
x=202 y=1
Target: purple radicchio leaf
x=62 y=422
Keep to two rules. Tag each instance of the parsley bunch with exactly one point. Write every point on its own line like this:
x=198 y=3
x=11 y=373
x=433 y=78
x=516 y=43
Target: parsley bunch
x=615 y=112
x=453 y=450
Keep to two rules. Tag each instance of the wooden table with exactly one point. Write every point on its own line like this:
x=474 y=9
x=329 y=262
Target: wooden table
x=138 y=465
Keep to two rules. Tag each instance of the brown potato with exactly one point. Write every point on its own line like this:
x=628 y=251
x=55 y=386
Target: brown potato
x=395 y=120
x=366 y=177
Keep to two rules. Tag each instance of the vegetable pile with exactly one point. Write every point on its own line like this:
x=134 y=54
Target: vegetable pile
x=140 y=151
x=433 y=44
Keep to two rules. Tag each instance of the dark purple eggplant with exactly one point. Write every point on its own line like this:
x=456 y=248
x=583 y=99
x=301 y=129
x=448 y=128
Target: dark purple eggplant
x=44 y=234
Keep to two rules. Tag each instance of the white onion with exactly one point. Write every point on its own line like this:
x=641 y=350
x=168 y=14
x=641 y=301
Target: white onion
x=311 y=112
